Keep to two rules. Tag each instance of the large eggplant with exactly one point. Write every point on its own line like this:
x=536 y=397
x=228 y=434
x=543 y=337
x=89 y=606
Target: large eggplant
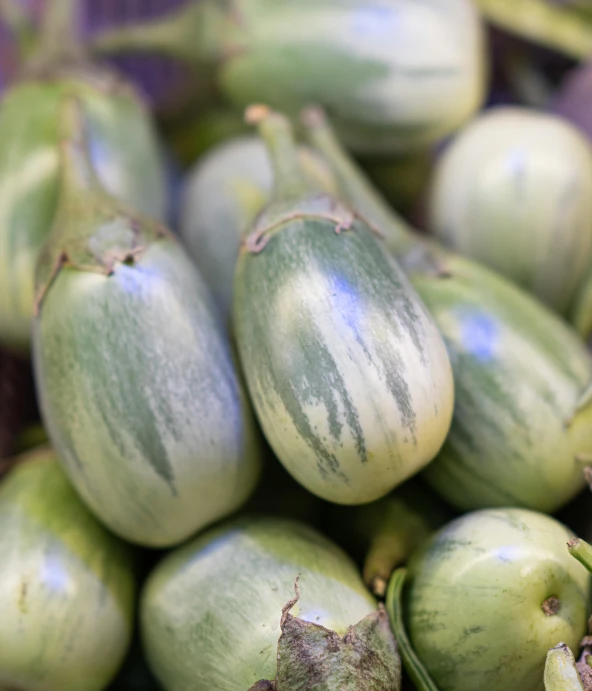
x=522 y=428
x=220 y=613
x=346 y=370
x=397 y=74
x=122 y=145
x=66 y=585
x=136 y=380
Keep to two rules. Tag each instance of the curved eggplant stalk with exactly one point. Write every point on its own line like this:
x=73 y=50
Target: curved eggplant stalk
x=582 y=551
x=411 y=662
x=561 y=28
x=561 y=673
x=18 y=22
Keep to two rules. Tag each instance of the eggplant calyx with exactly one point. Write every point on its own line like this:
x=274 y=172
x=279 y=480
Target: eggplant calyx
x=313 y=657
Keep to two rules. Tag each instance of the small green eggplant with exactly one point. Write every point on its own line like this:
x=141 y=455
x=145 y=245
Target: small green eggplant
x=221 y=197
x=489 y=594
x=514 y=191
x=66 y=585
x=219 y=613
x=347 y=372
x=136 y=381
x=522 y=428
x=122 y=146
x=398 y=74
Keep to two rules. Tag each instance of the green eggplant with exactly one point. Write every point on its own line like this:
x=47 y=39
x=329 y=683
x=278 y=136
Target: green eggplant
x=123 y=148
x=397 y=74
x=522 y=428
x=67 y=585
x=219 y=613
x=136 y=381
x=561 y=673
x=561 y=25
x=385 y=533
x=347 y=373
x=222 y=195
x=489 y=594
x=514 y=191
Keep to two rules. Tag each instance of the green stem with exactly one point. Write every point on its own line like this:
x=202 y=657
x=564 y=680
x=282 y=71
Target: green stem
x=540 y=20
x=561 y=673
x=290 y=183
x=582 y=551
x=394 y=606
x=358 y=189
x=20 y=25
x=193 y=33
x=60 y=33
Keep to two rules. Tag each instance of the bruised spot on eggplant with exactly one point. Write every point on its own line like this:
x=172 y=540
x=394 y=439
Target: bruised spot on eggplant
x=551 y=606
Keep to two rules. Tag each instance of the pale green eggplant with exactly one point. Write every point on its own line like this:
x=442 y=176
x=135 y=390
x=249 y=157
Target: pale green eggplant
x=136 y=381
x=347 y=373
x=222 y=195
x=398 y=74
x=522 y=428
x=558 y=24
x=220 y=613
x=66 y=585
x=122 y=146
x=514 y=191
x=489 y=594
x=561 y=673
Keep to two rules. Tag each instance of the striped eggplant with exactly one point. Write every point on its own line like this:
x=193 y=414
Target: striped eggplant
x=66 y=585
x=219 y=613
x=347 y=372
x=489 y=594
x=398 y=74
x=222 y=195
x=522 y=427
x=136 y=381
x=514 y=191
x=123 y=148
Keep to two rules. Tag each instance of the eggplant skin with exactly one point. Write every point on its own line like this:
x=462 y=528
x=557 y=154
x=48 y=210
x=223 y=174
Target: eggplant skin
x=475 y=595
x=517 y=436
x=396 y=75
x=211 y=610
x=347 y=372
x=66 y=585
x=123 y=149
x=141 y=398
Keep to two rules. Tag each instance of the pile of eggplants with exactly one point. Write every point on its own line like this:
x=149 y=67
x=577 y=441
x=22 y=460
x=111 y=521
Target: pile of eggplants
x=292 y=442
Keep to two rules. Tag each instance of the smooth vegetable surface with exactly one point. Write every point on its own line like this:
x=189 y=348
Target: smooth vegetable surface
x=211 y=610
x=514 y=191
x=522 y=426
x=66 y=585
x=489 y=594
x=136 y=380
x=123 y=149
x=222 y=195
x=347 y=373
x=398 y=75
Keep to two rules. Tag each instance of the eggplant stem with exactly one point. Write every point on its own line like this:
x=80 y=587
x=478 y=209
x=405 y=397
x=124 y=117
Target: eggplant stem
x=358 y=189
x=394 y=606
x=582 y=551
x=20 y=25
